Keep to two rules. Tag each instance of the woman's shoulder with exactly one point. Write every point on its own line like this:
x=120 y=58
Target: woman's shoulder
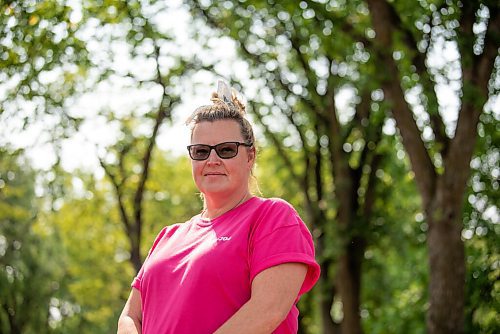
x=169 y=230
x=166 y=231
x=276 y=203
x=277 y=211
x=273 y=215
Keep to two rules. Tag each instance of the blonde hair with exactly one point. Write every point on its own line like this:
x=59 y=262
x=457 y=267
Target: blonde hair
x=224 y=109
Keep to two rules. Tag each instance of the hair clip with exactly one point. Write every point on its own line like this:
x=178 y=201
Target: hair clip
x=224 y=92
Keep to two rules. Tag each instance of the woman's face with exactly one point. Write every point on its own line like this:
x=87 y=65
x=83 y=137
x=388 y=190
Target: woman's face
x=216 y=177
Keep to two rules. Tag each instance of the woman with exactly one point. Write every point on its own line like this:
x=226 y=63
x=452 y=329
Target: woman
x=241 y=264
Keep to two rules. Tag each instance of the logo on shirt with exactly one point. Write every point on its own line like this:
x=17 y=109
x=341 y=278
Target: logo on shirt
x=223 y=238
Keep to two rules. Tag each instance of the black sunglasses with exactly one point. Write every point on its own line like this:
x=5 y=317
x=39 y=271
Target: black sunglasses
x=225 y=150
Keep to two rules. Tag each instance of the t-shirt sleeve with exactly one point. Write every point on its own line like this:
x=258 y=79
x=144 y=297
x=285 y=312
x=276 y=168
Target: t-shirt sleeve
x=282 y=237
x=136 y=283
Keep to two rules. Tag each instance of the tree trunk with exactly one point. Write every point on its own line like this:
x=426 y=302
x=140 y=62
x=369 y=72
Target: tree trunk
x=15 y=327
x=135 y=254
x=324 y=290
x=447 y=263
x=327 y=294
x=349 y=280
x=350 y=276
x=346 y=184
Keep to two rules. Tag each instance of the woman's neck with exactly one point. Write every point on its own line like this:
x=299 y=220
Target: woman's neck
x=214 y=209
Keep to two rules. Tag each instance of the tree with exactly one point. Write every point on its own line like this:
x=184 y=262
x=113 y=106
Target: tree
x=440 y=161
x=127 y=162
x=97 y=267
x=30 y=268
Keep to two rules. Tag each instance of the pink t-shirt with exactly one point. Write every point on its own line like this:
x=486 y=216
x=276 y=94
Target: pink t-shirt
x=199 y=273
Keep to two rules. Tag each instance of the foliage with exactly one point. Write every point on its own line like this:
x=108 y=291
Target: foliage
x=395 y=270
x=481 y=231
x=99 y=273
x=171 y=196
x=30 y=268
x=43 y=63
x=95 y=251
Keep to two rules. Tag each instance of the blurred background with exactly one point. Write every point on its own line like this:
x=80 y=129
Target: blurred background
x=377 y=119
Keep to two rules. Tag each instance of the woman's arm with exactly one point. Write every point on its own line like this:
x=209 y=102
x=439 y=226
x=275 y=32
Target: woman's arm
x=274 y=291
x=131 y=318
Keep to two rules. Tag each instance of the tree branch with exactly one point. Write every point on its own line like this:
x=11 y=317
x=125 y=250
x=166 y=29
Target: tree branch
x=370 y=194
x=384 y=24
x=418 y=60
x=475 y=93
x=341 y=170
x=276 y=142
x=118 y=193
x=486 y=62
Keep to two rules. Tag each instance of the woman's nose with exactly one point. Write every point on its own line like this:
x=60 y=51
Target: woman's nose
x=213 y=158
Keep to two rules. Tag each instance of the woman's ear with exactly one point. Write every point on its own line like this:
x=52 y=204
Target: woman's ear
x=251 y=157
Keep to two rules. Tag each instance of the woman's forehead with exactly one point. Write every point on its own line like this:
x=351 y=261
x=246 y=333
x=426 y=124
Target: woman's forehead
x=207 y=132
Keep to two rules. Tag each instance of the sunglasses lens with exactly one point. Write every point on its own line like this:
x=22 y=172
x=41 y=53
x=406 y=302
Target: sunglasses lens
x=224 y=150
x=199 y=152
x=227 y=150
